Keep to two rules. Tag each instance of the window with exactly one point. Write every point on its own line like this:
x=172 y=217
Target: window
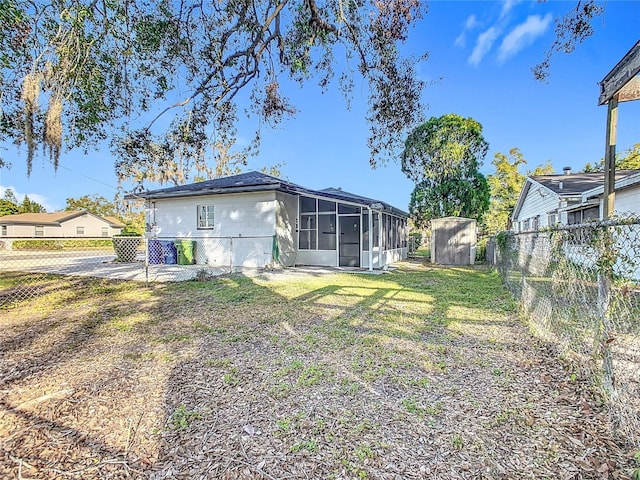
x=317 y=227
x=205 y=217
x=105 y=231
x=79 y=230
x=536 y=222
x=4 y=230
x=552 y=218
x=39 y=231
x=584 y=215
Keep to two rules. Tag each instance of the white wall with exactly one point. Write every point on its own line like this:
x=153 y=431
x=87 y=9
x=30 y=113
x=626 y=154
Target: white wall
x=628 y=201
x=244 y=226
x=539 y=201
x=286 y=222
x=328 y=258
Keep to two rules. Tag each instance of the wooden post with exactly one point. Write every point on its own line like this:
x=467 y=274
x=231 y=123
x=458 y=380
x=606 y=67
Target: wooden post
x=610 y=159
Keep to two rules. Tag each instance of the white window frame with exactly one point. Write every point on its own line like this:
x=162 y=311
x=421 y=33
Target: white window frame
x=4 y=230
x=80 y=230
x=205 y=217
x=38 y=231
x=105 y=231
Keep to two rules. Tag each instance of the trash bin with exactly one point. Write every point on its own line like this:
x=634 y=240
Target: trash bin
x=186 y=252
x=155 y=252
x=169 y=252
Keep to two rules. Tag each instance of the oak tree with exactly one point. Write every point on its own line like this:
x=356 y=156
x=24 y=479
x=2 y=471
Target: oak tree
x=96 y=204
x=443 y=157
x=163 y=80
x=505 y=186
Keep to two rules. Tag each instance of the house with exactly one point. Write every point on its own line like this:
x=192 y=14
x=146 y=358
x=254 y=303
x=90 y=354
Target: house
x=71 y=224
x=256 y=220
x=547 y=200
x=627 y=199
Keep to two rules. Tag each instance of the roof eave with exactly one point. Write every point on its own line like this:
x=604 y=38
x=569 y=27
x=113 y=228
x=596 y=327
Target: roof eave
x=204 y=192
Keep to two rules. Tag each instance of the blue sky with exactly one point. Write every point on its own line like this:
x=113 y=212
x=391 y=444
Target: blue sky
x=479 y=65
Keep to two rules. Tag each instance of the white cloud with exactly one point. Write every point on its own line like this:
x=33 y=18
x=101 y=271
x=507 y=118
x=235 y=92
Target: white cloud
x=471 y=22
x=507 y=6
x=36 y=197
x=523 y=35
x=483 y=45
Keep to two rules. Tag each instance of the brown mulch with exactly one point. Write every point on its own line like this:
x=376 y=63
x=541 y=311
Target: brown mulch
x=273 y=390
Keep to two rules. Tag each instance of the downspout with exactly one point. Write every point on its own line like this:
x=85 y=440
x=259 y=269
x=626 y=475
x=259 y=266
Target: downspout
x=370 y=226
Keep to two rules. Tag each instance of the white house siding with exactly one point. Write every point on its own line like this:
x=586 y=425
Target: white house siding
x=628 y=201
x=243 y=232
x=286 y=227
x=539 y=201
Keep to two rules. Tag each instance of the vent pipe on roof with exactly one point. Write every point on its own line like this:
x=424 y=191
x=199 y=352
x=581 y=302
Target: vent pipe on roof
x=566 y=170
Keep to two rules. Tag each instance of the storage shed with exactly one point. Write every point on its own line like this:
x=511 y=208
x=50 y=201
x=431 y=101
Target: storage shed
x=453 y=241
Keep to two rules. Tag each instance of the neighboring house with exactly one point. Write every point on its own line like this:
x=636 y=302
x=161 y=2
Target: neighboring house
x=256 y=220
x=627 y=199
x=70 y=224
x=547 y=200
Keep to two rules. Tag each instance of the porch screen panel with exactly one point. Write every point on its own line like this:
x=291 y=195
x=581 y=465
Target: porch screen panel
x=317 y=224
x=327 y=231
x=308 y=231
x=376 y=230
x=404 y=233
x=365 y=232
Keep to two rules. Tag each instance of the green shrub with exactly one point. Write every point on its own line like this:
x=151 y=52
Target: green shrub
x=481 y=249
x=417 y=240
x=38 y=245
x=65 y=244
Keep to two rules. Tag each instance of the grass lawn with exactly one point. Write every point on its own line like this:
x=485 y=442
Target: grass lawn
x=421 y=372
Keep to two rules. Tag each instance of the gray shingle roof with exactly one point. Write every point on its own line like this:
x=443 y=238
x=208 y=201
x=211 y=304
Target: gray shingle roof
x=255 y=182
x=576 y=183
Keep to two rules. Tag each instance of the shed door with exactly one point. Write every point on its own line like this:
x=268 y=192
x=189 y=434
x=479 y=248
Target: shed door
x=349 y=241
x=452 y=242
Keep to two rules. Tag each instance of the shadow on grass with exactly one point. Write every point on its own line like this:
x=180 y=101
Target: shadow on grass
x=247 y=349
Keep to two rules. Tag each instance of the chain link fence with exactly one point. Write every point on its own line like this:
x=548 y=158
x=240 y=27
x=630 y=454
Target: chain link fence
x=579 y=287
x=26 y=264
